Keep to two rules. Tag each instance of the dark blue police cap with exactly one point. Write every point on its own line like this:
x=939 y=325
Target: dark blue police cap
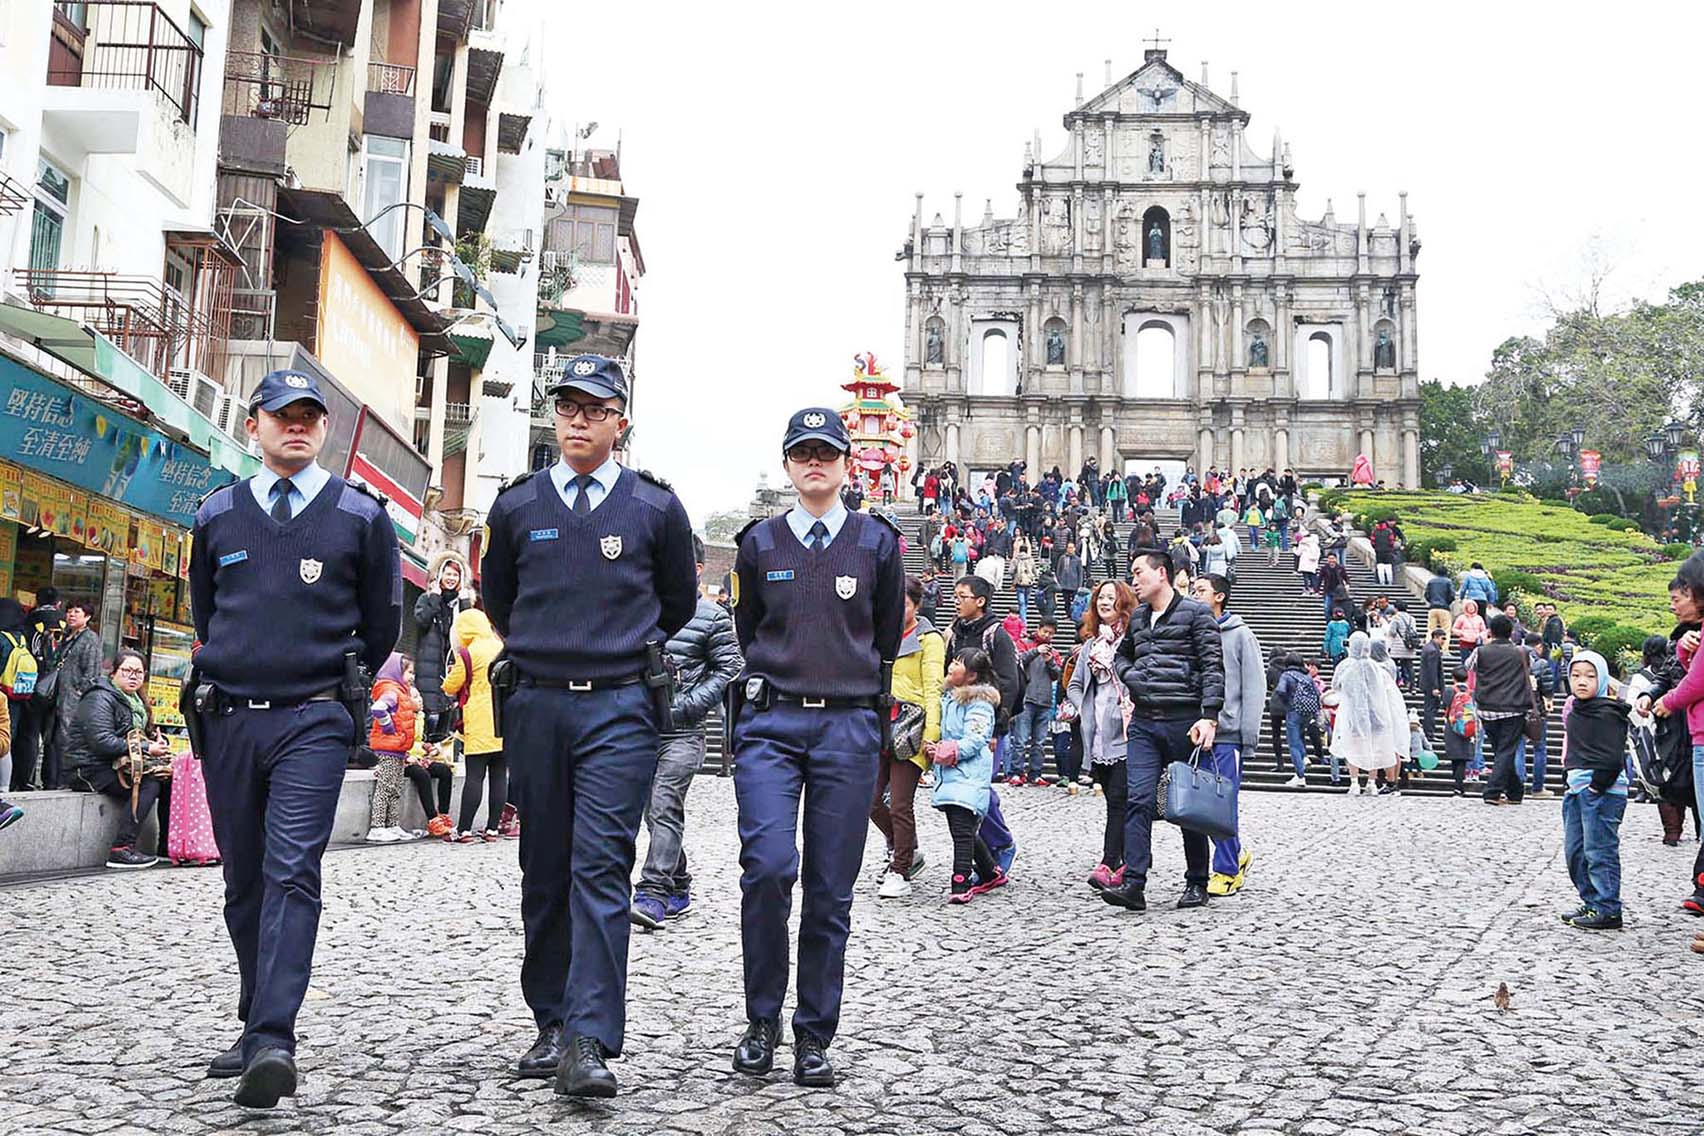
x=817 y=424
x=593 y=374
x=280 y=388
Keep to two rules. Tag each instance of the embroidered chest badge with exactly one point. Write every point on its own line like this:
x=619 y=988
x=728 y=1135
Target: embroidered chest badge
x=311 y=570
x=610 y=546
x=846 y=586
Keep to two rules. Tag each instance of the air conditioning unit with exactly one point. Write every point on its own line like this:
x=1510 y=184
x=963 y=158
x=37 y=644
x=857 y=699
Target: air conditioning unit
x=178 y=381
x=475 y=167
x=549 y=197
x=195 y=388
x=549 y=260
x=228 y=415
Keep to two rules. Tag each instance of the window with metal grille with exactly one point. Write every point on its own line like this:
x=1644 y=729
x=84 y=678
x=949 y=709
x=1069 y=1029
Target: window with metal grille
x=47 y=227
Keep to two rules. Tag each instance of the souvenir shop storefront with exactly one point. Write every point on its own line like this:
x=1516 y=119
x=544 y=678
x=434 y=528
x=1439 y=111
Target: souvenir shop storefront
x=99 y=505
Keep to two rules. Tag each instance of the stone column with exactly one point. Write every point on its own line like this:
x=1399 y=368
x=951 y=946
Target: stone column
x=958 y=233
x=952 y=442
x=1076 y=150
x=1367 y=448
x=1074 y=451
x=1109 y=142
x=1076 y=228
x=1032 y=449
x=954 y=355
x=1239 y=356
x=1410 y=457
x=1237 y=445
x=1204 y=457
x=1112 y=330
x=1281 y=335
x=1206 y=168
x=1280 y=448
x=1107 y=200
x=1032 y=354
x=1108 y=448
x=1075 y=358
x=1236 y=228
x=1364 y=340
x=1236 y=150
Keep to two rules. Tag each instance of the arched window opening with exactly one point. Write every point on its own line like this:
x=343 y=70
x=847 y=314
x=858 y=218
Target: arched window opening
x=996 y=362
x=1316 y=377
x=1156 y=362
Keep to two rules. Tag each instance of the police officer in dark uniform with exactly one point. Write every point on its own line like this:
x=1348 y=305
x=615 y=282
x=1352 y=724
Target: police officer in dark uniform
x=297 y=549
x=588 y=570
x=818 y=599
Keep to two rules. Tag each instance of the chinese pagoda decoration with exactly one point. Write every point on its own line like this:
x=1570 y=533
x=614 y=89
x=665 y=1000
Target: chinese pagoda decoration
x=878 y=422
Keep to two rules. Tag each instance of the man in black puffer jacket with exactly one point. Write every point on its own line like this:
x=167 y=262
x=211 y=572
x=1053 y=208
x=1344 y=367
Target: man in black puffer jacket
x=1172 y=661
x=706 y=657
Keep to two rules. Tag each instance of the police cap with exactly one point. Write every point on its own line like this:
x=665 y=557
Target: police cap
x=280 y=388
x=817 y=424
x=596 y=375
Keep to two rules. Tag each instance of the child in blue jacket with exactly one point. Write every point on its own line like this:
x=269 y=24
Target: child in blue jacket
x=964 y=770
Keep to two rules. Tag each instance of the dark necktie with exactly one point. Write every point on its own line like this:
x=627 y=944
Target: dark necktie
x=819 y=536
x=583 y=503
x=281 y=500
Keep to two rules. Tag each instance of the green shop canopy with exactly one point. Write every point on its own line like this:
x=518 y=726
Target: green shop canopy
x=100 y=358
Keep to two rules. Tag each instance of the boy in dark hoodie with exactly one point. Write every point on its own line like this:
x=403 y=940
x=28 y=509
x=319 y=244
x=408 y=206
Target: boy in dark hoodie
x=1595 y=728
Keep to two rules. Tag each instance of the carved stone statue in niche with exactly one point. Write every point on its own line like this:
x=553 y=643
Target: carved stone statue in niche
x=1092 y=225
x=1056 y=226
x=1156 y=153
x=932 y=346
x=1126 y=241
x=1221 y=147
x=1258 y=356
x=1184 y=246
x=1055 y=347
x=1384 y=352
x=1156 y=242
x=1092 y=152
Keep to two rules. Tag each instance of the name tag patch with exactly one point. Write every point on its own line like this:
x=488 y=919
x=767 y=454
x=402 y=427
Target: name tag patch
x=784 y=574
x=231 y=558
x=542 y=534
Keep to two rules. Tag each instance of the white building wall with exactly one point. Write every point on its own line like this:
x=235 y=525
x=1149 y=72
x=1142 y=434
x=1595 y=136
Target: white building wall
x=118 y=209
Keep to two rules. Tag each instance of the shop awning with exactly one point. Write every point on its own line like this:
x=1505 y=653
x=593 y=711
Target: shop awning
x=99 y=358
x=414 y=570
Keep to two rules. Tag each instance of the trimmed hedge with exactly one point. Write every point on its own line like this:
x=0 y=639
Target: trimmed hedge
x=1602 y=519
x=1677 y=551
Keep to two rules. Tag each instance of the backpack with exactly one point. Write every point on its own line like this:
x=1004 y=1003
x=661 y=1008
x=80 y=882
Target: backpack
x=1463 y=716
x=1306 y=698
x=467 y=679
x=18 y=679
x=1410 y=633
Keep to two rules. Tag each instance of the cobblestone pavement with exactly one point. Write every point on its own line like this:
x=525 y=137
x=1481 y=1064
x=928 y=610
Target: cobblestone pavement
x=1347 y=990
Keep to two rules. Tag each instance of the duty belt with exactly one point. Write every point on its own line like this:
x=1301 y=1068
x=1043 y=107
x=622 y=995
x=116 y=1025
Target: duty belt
x=810 y=702
x=578 y=684
x=224 y=701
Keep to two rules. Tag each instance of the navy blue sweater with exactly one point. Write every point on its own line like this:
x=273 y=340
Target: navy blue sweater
x=578 y=597
x=276 y=605
x=820 y=623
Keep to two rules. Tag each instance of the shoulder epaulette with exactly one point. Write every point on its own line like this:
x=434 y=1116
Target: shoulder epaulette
x=362 y=487
x=889 y=522
x=653 y=479
x=208 y=496
x=521 y=480
x=739 y=537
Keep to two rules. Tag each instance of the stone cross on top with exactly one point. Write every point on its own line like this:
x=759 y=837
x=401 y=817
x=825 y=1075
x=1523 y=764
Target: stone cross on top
x=1156 y=47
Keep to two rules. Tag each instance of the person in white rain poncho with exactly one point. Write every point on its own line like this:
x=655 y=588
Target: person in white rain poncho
x=1371 y=729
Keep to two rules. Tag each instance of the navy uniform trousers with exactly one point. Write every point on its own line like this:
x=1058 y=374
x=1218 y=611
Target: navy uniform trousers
x=581 y=767
x=273 y=778
x=827 y=756
x=1155 y=743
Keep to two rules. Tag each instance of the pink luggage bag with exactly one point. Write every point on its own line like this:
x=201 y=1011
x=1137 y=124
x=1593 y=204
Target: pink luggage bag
x=189 y=836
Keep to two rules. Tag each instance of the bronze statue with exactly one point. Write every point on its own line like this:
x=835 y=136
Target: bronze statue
x=1384 y=352
x=1156 y=243
x=1055 y=347
x=932 y=345
x=1257 y=353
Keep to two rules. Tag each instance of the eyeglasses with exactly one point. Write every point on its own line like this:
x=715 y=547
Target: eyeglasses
x=822 y=452
x=131 y=671
x=595 y=412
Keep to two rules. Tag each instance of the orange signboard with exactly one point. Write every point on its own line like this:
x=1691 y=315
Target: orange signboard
x=362 y=339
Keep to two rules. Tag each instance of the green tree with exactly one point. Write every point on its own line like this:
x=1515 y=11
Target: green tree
x=1450 y=432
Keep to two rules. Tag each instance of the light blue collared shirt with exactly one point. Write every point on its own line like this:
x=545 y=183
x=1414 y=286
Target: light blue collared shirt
x=801 y=521
x=304 y=487
x=603 y=482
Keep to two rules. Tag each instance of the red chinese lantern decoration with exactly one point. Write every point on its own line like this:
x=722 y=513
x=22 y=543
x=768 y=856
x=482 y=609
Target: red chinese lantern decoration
x=904 y=463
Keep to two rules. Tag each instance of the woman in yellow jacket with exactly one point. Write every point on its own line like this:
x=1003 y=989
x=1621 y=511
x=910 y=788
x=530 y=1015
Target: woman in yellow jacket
x=468 y=680
x=916 y=681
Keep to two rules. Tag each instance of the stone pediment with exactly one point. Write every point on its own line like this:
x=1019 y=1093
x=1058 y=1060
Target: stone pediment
x=1157 y=88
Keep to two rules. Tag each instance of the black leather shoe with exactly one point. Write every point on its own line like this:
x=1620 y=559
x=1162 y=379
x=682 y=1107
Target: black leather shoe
x=583 y=1072
x=228 y=1063
x=1127 y=894
x=755 y=1054
x=272 y=1074
x=540 y=1062
x=1194 y=895
x=811 y=1066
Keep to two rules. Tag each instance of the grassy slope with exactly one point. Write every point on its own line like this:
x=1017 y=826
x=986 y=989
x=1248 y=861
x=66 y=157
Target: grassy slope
x=1589 y=571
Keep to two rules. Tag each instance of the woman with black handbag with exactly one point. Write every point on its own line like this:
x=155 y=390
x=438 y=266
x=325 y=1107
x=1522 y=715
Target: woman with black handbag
x=116 y=750
x=916 y=690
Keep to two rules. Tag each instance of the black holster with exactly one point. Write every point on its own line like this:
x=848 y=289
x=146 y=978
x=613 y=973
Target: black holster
x=733 y=697
x=659 y=680
x=188 y=706
x=355 y=692
x=504 y=677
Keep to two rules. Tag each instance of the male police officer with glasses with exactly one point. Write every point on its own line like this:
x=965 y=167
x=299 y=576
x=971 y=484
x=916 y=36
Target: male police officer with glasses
x=588 y=570
x=299 y=549
x=818 y=598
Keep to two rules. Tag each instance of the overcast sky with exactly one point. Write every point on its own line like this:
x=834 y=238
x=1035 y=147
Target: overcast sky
x=775 y=153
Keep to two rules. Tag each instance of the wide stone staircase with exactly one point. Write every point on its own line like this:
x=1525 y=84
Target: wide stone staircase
x=1271 y=602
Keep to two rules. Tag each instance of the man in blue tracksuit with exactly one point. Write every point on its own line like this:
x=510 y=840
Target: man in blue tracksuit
x=588 y=570
x=818 y=597
x=1239 y=720
x=292 y=547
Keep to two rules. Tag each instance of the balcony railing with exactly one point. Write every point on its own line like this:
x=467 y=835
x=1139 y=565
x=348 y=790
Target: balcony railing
x=284 y=87
x=150 y=321
x=390 y=79
x=124 y=44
